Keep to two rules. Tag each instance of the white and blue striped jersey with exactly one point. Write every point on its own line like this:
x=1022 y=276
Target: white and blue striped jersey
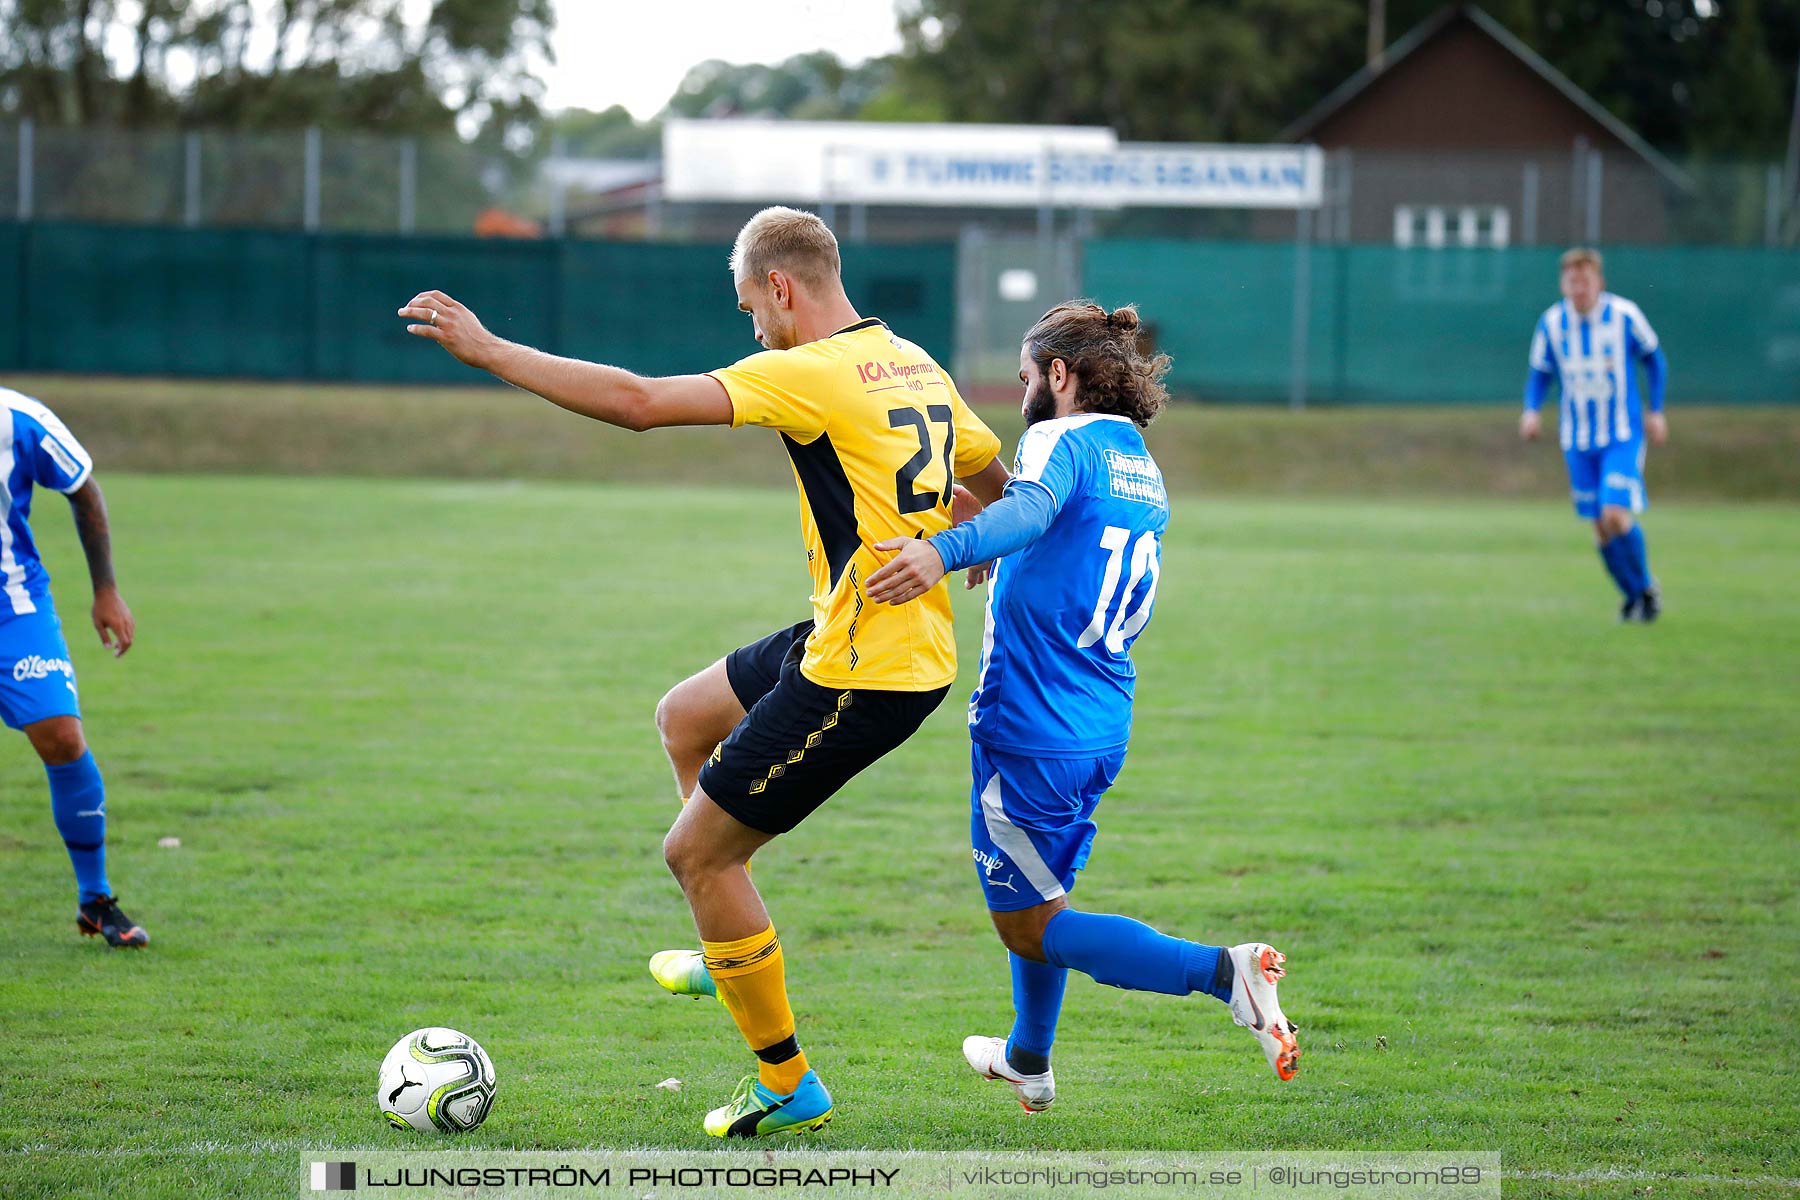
x=36 y=449
x=1056 y=670
x=1595 y=362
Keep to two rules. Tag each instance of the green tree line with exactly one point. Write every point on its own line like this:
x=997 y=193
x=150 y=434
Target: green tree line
x=1695 y=79
x=1709 y=78
x=1692 y=78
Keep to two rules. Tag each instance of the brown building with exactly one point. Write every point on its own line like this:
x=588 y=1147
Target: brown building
x=1459 y=134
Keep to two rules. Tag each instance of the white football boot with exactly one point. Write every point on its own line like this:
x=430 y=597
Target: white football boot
x=988 y=1056
x=1253 y=1004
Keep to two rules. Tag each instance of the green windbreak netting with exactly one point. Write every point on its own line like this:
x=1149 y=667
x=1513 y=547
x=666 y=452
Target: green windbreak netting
x=1386 y=325
x=211 y=302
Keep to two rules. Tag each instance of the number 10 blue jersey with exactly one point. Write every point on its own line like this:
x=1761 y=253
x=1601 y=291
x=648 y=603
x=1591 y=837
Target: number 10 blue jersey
x=1056 y=670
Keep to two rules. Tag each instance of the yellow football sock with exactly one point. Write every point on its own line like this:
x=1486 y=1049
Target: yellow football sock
x=753 y=984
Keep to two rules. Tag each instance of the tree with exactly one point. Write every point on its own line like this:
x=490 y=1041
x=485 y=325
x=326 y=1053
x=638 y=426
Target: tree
x=1740 y=110
x=334 y=63
x=1185 y=70
x=1692 y=76
x=613 y=133
x=814 y=86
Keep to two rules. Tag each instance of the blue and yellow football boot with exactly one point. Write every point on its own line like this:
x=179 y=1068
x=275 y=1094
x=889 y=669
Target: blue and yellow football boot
x=755 y=1111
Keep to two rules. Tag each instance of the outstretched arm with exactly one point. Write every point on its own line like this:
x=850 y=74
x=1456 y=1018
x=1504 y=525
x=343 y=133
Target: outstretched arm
x=1007 y=526
x=982 y=489
x=604 y=393
x=112 y=617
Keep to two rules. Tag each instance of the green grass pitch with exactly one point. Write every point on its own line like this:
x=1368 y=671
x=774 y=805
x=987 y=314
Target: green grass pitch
x=1535 y=873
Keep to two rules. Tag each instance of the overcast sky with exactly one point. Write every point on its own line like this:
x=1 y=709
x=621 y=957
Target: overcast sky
x=609 y=53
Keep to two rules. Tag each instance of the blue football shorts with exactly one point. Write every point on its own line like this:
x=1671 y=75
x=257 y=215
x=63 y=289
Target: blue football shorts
x=37 y=681
x=1609 y=477
x=1031 y=822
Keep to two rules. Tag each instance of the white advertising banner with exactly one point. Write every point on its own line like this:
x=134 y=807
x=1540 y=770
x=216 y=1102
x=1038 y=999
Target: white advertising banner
x=1002 y=166
x=1192 y=176
x=823 y=161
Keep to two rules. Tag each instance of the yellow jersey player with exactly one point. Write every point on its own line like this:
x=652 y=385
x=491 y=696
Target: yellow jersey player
x=877 y=434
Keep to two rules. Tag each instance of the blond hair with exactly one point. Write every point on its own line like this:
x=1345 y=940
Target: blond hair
x=785 y=239
x=1582 y=256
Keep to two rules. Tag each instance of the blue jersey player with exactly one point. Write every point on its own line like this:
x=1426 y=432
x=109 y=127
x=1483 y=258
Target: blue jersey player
x=1589 y=346
x=37 y=681
x=1078 y=539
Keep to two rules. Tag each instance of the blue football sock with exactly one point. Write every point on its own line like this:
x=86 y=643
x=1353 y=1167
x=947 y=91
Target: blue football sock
x=78 y=802
x=1615 y=554
x=1037 y=1003
x=1124 y=953
x=1638 y=556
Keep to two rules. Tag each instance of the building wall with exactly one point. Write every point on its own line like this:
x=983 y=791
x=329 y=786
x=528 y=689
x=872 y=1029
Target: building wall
x=1462 y=121
x=1461 y=90
x=1545 y=195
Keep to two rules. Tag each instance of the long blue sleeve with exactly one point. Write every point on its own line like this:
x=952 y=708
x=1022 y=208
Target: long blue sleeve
x=1656 y=373
x=1537 y=386
x=1007 y=526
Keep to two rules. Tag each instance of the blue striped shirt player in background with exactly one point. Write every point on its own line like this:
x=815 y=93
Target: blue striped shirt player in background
x=1078 y=541
x=37 y=681
x=1589 y=346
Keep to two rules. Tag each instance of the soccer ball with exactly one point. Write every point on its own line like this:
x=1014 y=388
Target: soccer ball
x=436 y=1079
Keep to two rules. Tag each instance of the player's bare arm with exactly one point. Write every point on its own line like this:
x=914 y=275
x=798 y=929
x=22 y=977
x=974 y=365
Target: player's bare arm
x=986 y=485
x=1657 y=426
x=1529 y=426
x=610 y=394
x=982 y=489
x=964 y=507
x=111 y=615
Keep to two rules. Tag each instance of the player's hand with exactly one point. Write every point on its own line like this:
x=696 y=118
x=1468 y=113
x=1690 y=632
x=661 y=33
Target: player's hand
x=112 y=620
x=438 y=318
x=911 y=573
x=1658 y=427
x=965 y=507
x=1529 y=424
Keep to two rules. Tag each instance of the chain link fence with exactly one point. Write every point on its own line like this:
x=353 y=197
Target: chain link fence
x=1413 y=262
x=1585 y=195
x=331 y=181
x=299 y=179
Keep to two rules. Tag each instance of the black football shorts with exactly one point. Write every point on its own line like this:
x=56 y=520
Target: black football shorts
x=798 y=742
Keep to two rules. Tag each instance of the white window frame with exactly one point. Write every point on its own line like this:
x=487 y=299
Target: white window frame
x=1460 y=226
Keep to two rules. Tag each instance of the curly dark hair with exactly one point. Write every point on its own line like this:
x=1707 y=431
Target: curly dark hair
x=1101 y=349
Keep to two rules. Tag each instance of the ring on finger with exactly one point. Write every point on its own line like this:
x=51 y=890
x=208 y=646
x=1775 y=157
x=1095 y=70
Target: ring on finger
x=434 y=316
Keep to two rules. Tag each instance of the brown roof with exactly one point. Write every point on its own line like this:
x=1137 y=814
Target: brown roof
x=1461 y=17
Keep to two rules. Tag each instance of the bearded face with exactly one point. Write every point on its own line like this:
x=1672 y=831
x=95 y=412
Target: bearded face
x=1040 y=401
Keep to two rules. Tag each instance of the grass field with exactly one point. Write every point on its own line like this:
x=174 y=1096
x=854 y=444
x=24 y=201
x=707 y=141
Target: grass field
x=227 y=426
x=1535 y=873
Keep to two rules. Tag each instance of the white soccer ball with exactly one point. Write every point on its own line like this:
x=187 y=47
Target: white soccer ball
x=436 y=1079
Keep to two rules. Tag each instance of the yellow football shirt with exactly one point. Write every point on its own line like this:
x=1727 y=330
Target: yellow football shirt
x=877 y=433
